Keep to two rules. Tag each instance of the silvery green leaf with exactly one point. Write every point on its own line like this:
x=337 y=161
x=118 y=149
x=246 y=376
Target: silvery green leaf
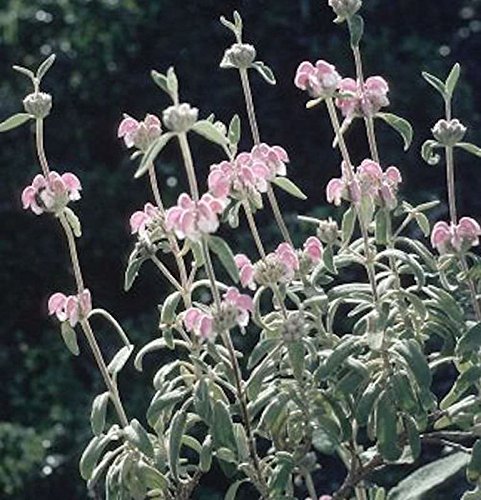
x=234 y=132
x=402 y=126
x=45 y=66
x=119 y=360
x=98 y=413
x=73 y=221
x=210 y=132
x=172 y=82
x=70 y=338
x=428 y=154
x=138 y=436
x=435 y=82
x=91 y=455
x=225 y=255
x=14 y=121
x=265 y=72
x=452 y=79
x=287 y=185
x=233 y=489
x=225 y=63
x=160 y=80
x=167 y=316
x=24 y=71
x=356 y=29
x=470 y=148
x=177 y=429
x=152 y=153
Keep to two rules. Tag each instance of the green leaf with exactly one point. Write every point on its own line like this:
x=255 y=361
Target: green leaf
x=265 y=72
x=296 y=357
x=473 y=471
x=452 y=80
x=138 y=437
x=470 y=341
x=119 y=360
x=151 y=154
x=91 y=455
x=402 y=126
x=367 y=401
x=428 y=154
x=386 y=427
x=411 y=352
x=160 y=80
x=168 y=316
x=205 y=457
x=348 y=224
x=470 y=148
x=98 y=413
x=428 y=477
x=70 y=338
x=233 y=488
x=356 y=29
x=423 y=223
x=435 y=82
x=225 y=255
x=132 y=270
x=407 y=259
x=382 y=224
x=151 y=477
x=210 y=132
x=73 y=221
x=413 y=435
x=288 y=186
x=14 y=121
x=24 y=71
x=328 y=259
x=222 y=428
x=45 y=66
x=234 y=132
x=172 y=83
x=177 y=429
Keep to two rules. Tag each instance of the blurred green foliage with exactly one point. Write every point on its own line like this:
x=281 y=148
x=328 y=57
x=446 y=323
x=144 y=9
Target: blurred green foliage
x=105 y=50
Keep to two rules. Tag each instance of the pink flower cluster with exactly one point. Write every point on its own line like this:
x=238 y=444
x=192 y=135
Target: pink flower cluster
x=249 y=173
x=140 y=220
x=450 y=238
x=321 y=80
x=368 y=180
x=51 y=193
x=72 y=308
x=278 y=266
x=234 y=310
x=139 y=134
x=191 y=220
x=362 y=100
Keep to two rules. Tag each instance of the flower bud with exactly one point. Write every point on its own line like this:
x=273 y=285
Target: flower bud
x=328 y=231
x=293 y=327
x=449 y=133
x=239 y=55
x=344 y=9
x=180 y=117
x=38 y=104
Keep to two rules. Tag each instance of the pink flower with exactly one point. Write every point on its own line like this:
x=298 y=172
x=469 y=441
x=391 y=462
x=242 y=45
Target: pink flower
x=335 y=191
x=320 y=80
x=313 y=249
x=139 y=134
x=242 y=304
x=288 y=256
x=449 y=238
x=246 y=270
x=366 y=100
x=72 y=308
x=200 y=323
x=142 y=218
x=191 y=220
x=272 y=157
x=51 y=193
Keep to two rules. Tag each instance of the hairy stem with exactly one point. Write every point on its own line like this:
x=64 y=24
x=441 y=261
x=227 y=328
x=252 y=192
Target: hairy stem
x=163 y=269
x=253 y=228
x=42 y=158
x=73 y=252
x=189 y=165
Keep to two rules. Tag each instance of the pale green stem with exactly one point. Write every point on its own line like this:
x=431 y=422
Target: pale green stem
x=114 y=393
x=73 y=252
x=311 y=489
x=155 y=187
x=253 y=228
x=256 y=138
x=189 y=165
x=163 y=269
x=40 y=146
x=451 y=185
x=371 y=137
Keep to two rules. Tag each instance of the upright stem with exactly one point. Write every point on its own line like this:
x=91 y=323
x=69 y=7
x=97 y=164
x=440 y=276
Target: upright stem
x=256 y=138
x=371 y=137
x=253 y=228
x=163 y=269
x=73 y=252
x=451 y=184
x=40 y=147
x=189 y=165
x=155 y=187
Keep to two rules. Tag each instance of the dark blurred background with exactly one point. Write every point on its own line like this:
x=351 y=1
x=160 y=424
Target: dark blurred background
x=106 y=49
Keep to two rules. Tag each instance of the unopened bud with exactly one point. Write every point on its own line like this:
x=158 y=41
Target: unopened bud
x=239 y=55
x=344 y=9
x=38 y=104
x=449 y=133
x=293 y=328
x=180 y=118
x=328 y=231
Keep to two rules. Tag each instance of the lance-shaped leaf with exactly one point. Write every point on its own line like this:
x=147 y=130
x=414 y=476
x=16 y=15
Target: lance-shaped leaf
x=435 y=82
x=210 y=132
x=14 y=121
x=177 y=429
x=386 y=423
x=151 y=154
x=288 y=186
x=402 y=126
x=470 y=148
x=120 y=358
x=138 y=437
x=234 y=132
x=265 y=72
x=69 y=336
x=98 y=413
x=225 y=255
x=452 y=80
x=45 y=66
x=356 y=29
x=91 y=455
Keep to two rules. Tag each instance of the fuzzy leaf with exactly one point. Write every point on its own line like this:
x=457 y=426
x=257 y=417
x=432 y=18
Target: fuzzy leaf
x=14 y=121
x=70 y=338
x=470 y=148
x=98 y=413
x=151 y=154
x=225 y=255
x=288 y=186
x=210 y=132
x=45 y=66
x=265 y=72
x=234 y=132
x=435 y=82
x=452 y=80
x=402 y=126
x=73 y=221
x=119 y=360
x=176 y=432
x=356 y=29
